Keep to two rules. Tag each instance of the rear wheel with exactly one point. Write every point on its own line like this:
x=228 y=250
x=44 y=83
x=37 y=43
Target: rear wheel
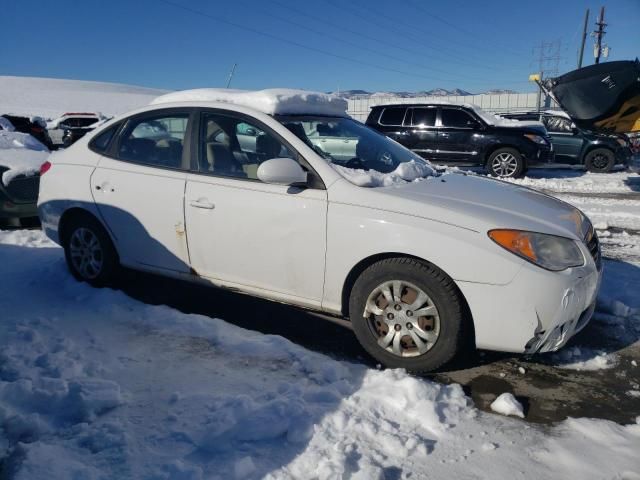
x=90 y=255
x=600 y=160
x=407 y=314
x=506 y=163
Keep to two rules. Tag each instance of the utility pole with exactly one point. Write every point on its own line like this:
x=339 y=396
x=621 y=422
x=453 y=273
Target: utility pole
x=599 y=33
x=584 y=38
x=233 y=69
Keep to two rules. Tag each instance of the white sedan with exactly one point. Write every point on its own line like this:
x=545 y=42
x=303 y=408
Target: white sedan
x=423 y=264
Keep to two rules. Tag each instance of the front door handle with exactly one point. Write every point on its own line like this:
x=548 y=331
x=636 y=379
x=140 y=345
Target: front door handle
x=445 y=135
x=202 y=203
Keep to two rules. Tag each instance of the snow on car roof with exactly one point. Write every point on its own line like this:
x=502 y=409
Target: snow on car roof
x=272 y=101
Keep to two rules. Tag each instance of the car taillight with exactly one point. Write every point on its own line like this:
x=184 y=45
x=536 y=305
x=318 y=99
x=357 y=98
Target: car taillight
x=37 y=129
x=45 y=167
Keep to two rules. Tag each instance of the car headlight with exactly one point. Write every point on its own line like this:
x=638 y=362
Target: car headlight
x=536 y=138
x=546 y=251
x=622 y=142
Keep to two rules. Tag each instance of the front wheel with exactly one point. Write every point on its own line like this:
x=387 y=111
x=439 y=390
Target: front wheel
x=88 y=250
x=600 y=160
x=407 y=314
x=506 y=163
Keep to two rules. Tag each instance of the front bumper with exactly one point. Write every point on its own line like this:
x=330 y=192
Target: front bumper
x=623 y=156
x=541 y=155
x=537 y=311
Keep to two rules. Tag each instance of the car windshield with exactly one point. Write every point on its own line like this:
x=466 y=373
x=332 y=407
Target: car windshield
x=347 y=143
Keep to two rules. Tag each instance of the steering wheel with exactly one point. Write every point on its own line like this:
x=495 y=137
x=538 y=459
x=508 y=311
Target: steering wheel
x=356 y=164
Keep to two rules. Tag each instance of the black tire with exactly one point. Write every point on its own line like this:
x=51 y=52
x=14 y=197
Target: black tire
x=442 y=294
x=83 y=226
x=516 y=167
x=600 y=160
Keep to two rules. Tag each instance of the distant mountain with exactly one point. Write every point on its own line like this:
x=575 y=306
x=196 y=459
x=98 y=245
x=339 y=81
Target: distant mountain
x=443 y=92
x=435 y=92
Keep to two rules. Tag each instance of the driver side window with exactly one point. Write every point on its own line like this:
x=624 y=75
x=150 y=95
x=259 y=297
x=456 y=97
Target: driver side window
x=231 y=147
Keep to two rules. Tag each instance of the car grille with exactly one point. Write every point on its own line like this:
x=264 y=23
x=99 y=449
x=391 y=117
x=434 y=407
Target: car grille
x=593 y=245
x=23 y=189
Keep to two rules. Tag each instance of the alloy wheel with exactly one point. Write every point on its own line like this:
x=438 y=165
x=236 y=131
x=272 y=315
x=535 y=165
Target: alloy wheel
x=86 y=253
x=403 y=318
x=504 y=164
x=600 y=161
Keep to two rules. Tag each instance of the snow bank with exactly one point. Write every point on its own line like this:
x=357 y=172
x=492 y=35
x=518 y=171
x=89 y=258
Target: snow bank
x=273 y=101
x=584 y=359
x=578 y=181
x=21 y=154
x=506 y=404
x=51 y=97
x=405 y=172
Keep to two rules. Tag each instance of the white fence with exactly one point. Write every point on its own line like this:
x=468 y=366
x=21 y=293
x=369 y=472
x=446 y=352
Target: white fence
x=359 y=107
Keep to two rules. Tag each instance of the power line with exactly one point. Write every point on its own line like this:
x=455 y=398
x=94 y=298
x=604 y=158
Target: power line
x=502 y=47
x=362 y=15
x=385 y=42
x=294 y=43
x=368 y=49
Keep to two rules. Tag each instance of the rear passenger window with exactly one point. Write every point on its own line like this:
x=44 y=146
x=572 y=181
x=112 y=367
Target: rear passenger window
x=424 y=117
x=101 y=141
x=457 y=118
x=392 y=116
x=155 y=141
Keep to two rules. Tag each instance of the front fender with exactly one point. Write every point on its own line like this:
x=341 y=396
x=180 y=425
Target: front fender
x=356 y=233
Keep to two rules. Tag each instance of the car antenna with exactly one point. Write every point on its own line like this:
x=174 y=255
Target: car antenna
x=233 y=70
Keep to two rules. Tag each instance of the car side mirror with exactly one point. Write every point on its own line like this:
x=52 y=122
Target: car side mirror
x=282 y=171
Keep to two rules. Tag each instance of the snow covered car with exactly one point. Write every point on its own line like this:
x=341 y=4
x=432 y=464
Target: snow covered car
x=422 y=264
x=20 y=158
x=71 y=125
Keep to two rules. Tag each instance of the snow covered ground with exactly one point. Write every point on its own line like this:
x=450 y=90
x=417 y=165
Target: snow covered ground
x=94 y=384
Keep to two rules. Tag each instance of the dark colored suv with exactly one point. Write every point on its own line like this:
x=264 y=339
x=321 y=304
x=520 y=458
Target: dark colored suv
x=464 y=135
x=598 y=152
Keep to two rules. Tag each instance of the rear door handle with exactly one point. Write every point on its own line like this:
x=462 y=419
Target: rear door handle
x=202 y=203
x=445 y=135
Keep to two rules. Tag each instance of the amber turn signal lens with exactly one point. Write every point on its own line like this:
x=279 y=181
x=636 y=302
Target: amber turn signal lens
x=515 y=241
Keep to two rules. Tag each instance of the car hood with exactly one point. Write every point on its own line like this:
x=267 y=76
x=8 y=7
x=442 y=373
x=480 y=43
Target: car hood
x=481 y=204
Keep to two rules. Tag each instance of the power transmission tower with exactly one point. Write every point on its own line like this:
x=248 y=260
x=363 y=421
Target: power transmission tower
x=584 y=38
x=549 y=56
x=600 y=49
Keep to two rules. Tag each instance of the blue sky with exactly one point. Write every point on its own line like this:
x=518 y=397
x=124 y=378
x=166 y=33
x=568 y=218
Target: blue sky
x=321 y=45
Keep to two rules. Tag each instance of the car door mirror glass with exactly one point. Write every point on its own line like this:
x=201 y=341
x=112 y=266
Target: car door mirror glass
x=282 y=171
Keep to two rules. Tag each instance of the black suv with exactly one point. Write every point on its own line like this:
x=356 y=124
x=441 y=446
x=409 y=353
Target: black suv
x=598 y=152
x=464 y=135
